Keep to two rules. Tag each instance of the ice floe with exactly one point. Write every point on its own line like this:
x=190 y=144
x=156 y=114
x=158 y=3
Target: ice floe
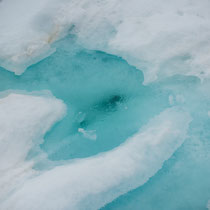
x=162 y=38
x=90 y=183
x=24 y=121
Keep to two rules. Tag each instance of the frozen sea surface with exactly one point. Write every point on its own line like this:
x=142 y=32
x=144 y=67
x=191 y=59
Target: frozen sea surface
x=109 y=106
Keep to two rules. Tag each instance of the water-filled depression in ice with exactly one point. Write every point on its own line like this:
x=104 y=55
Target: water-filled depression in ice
x=105 y=97
x=115 y=135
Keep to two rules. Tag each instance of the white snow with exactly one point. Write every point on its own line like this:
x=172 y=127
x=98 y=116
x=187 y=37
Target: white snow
x=24 y=119
x=160 y=37
x=92 y=182
x=21 y=42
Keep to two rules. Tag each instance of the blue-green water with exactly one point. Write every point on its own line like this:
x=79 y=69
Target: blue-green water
x=184 y=181
x=107 y=103
x=104 y=95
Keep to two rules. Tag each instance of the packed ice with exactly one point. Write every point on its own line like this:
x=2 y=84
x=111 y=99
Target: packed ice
x=92 y=182
x=24 y=120
x=162 y=38
x=104 y=104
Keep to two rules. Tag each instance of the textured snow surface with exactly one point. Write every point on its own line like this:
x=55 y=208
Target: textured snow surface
x=92 y=182
x=20 y=42
x=160 y=37
x=24 y=121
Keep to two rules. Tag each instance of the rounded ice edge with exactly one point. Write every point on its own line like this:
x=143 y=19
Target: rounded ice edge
x=90 y=183
x=25 y=118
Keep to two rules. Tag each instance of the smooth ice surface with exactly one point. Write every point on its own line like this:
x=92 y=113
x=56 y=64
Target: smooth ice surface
x=24 y=121
x=160 y=37
x=91 y=183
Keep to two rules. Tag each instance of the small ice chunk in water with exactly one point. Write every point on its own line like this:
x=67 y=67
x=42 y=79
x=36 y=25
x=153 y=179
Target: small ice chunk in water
x=89 y=134
x=208 y=205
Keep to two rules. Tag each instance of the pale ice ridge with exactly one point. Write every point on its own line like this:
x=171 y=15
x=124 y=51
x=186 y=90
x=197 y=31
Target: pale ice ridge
x=160 y=37
x=90 y=183
x=24 y=121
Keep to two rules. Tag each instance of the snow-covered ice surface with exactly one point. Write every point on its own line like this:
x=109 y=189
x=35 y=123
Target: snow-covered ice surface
x=161 y=38
x=24 y=118
x=99 y=98
x=92 y=182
